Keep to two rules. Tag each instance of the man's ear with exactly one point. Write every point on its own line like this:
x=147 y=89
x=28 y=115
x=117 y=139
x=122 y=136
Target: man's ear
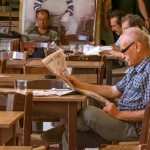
x=138 y=46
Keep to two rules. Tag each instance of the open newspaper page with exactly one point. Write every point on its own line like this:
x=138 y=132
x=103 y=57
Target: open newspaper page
x=92 y=50
x=56 y=63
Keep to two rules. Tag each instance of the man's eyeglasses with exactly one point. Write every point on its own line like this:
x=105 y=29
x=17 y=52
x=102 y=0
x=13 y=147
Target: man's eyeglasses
x=125 y=49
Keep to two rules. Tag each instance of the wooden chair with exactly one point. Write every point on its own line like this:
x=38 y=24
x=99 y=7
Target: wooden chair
x=13 y=55
x=3 y=65
x=43 y=84
x=100 y=73
x=144 y=141
x=22 y=102
x=25 y=45
x=74 y=38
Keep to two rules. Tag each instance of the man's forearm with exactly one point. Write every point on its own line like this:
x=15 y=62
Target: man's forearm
x=104 y=90
x=131 y=115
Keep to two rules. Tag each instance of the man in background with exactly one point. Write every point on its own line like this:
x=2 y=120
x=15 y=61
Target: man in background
x=67 y=20
x=41 y=33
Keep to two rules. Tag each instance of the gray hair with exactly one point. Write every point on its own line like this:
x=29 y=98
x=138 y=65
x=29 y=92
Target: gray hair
x=135 y=34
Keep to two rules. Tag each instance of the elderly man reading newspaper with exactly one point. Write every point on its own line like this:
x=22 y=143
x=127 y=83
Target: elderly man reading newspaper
x=121 y=121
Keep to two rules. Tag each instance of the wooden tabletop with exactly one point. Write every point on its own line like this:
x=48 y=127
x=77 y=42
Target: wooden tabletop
x=8 y=118
x=15 y=147
x=16 y=63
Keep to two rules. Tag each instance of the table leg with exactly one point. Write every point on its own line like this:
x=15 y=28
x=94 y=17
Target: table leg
x=109 y=72
x=72 y=125
x=12 y=141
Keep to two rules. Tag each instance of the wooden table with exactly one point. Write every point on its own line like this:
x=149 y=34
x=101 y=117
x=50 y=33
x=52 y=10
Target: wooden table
x=59 y=107
x=109 y=68
x=8 y=122
x=15 y=147
x=7 y=80
x=73 y=64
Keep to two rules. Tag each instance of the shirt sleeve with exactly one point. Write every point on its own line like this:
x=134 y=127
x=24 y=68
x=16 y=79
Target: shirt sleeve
x=118 y=41
x=121 y=84
x=70 y=7
x=37 y=5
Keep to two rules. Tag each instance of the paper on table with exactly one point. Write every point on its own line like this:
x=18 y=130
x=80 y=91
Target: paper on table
x=52 y=91
x=96 y=50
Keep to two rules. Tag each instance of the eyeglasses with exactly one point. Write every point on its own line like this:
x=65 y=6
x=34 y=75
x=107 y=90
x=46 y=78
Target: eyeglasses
x=125 y=49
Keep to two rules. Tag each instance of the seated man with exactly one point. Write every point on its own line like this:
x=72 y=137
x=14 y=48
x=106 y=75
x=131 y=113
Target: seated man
x=121 y=121
x=66 y=19
x=127 y=21
x=41 y=33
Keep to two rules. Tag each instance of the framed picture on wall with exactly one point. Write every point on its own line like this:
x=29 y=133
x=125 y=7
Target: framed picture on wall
x=81 y=20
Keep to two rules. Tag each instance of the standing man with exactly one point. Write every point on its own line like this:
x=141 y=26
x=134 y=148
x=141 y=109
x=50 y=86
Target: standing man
x=67 y=19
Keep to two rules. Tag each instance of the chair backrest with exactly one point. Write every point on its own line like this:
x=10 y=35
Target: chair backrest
x=45 y=84
x=3 y=101
x=3 y=64
x=13 y=55
x=74 y=38
x=145 y=132
x=22 y=102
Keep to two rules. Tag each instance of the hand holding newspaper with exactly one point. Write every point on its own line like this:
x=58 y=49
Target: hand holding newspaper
x=56 y=63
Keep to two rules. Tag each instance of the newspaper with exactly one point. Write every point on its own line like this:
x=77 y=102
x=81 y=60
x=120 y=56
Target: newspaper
x=56 y=63
x=92 y=50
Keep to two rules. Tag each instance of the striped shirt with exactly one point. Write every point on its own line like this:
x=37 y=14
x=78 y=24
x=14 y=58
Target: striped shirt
x=135 y=89
x=70 y=6
x=35 y=36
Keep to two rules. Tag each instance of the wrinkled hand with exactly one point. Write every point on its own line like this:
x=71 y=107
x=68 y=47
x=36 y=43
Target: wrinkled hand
x=30 y=51
x=112 y=110
x=65 y=17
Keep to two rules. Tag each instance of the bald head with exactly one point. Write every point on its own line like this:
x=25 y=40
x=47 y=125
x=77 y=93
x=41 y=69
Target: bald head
x=135 y=34
x=135 y=45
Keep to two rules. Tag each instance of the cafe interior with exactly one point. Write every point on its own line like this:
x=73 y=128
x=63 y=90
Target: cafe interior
x=63 y=64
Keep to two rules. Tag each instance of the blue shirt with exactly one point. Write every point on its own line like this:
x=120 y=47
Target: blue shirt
x=135 y=89
x=118 y=41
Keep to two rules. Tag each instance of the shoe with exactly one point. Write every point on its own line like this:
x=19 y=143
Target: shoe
x=54 y=135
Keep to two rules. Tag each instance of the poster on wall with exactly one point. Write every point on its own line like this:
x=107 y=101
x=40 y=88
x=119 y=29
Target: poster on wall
x=80 y=21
